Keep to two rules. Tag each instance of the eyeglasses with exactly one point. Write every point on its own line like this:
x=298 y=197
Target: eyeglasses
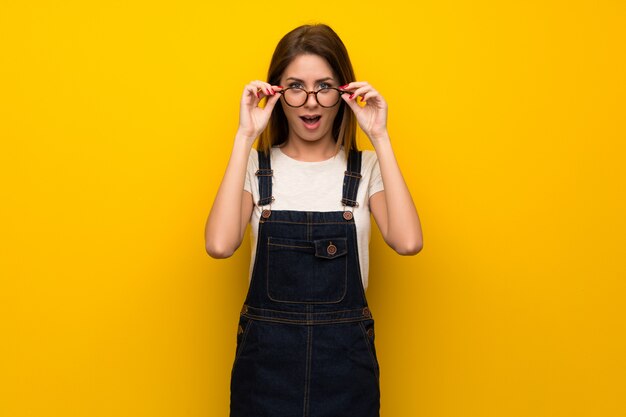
x=325 y=97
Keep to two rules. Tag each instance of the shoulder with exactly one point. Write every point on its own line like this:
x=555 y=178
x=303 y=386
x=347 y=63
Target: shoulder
x=368 y=154
x=368 y=159
x=253 y=159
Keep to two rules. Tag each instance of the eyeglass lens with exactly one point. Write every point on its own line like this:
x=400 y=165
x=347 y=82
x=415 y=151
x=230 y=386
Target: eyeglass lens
x=326 y=97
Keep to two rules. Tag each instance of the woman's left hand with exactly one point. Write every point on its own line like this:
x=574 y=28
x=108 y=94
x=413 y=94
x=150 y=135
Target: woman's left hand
x=372 y=117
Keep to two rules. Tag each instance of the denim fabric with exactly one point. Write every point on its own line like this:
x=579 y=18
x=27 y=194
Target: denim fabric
x=305 y=340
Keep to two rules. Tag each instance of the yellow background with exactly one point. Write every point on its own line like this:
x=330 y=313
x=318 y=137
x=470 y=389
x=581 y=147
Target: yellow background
x=507 y=117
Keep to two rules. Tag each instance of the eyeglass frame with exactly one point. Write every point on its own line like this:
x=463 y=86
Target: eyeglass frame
x=308 y=93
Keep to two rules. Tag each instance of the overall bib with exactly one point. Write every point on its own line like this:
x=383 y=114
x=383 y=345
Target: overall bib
x=305 y=340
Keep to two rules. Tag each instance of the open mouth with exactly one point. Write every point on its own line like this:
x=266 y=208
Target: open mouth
x=310 y=120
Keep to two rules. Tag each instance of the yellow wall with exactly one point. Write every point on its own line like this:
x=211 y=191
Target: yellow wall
x=116 y=122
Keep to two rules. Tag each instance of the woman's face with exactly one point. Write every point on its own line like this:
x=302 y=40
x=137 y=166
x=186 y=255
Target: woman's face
x=311 y=122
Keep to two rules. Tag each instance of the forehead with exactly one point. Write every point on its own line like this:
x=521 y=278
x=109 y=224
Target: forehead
x=308 y=67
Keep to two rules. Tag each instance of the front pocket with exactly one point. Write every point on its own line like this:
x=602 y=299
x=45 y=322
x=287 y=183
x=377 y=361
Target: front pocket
x=243 y=329
x=367 y=328
x=307 y=271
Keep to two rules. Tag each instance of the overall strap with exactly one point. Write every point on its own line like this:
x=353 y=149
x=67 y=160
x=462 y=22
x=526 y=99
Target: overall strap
x=264 y=173
x=351 y=179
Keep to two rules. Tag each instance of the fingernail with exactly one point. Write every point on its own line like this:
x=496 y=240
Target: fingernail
x=351 y=96
x=280 y=86
x=256 y=94
x=344 y=86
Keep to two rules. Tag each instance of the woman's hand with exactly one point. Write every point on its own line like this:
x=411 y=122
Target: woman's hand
x=373 y=116
x=252 y=118
x=393 y=208
x=232 y=208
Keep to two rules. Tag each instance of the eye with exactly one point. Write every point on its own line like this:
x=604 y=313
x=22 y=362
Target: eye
x=296 y=85
x=325 y=85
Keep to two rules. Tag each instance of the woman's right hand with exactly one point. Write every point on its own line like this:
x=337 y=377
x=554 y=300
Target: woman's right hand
x=226 y=225
x=252 y=118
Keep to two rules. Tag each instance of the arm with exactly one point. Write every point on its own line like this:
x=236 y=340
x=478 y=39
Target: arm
x=232 y=208
x=393 y=209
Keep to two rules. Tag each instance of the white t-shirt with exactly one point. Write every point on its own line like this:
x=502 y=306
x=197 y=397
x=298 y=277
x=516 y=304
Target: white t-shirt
x=316 y=186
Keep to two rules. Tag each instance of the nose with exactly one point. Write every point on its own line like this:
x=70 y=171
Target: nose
x=311 y=99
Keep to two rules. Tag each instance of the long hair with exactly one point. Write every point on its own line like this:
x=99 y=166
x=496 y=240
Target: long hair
x=318 y=39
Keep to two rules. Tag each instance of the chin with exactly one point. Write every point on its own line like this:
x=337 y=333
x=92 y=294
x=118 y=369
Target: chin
x=310 y=138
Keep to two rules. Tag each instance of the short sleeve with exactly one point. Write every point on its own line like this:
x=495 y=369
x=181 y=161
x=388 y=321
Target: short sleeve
x=376 y=180
x=251 y=169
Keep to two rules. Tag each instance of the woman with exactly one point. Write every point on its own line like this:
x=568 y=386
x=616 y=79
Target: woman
x=305 y=341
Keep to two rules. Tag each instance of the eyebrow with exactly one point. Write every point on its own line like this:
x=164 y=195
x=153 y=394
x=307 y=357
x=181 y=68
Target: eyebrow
x=317 y=81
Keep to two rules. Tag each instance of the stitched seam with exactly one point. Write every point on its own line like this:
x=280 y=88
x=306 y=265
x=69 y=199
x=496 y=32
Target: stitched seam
x=369 y=349
x=276 y=240
x=346 y=189
x=313 y=313
x=267 y=271
x=263 y=183
x=303 y=302
x=307 y=322
x=264 y=174
x=351 y=187
x=290 y=246
x=307 y=221
x=337 y=255
x=243 y=341
x=345 y=278
x=269 y=295
x=358 y=264
x=352 y=177
x=353 y=191
x=307 y=376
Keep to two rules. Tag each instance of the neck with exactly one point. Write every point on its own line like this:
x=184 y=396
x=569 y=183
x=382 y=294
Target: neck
x=319 y=150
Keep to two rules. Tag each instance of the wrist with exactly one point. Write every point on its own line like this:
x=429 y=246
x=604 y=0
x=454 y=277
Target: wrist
x=244 y=137
x=379 y=137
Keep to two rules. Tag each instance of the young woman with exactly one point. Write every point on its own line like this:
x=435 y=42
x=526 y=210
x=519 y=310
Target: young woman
x=305 y=341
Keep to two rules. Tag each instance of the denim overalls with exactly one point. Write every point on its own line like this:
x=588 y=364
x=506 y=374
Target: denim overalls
x=305 y=341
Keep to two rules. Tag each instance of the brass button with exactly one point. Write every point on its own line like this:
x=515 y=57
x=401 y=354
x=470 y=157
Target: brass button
x=244 y=309
x=331 y=249
x=240 y=329
x=366 y=312
x=347 y=215
x=370 y=332
x=266 y=213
